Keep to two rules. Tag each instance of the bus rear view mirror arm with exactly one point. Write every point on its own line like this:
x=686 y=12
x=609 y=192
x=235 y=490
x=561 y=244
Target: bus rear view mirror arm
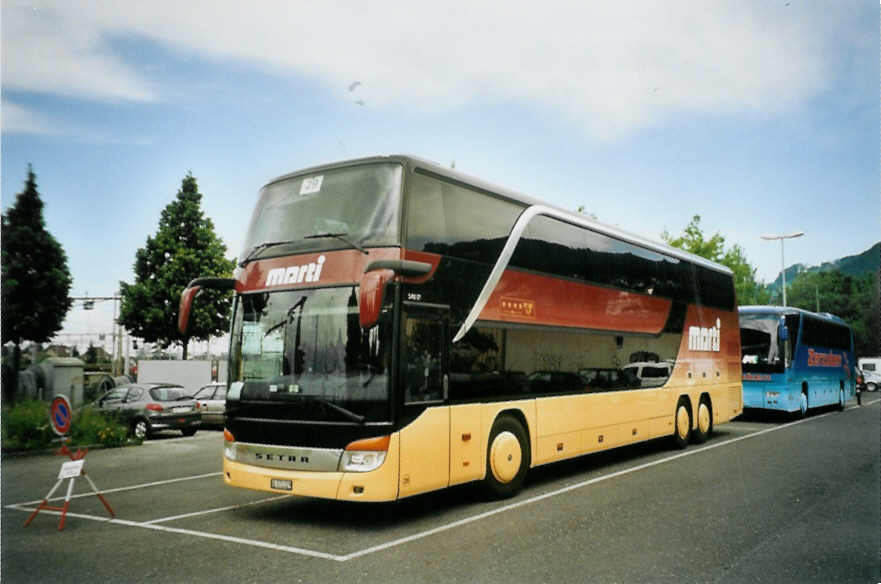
x=192 y=290
x=374 y=282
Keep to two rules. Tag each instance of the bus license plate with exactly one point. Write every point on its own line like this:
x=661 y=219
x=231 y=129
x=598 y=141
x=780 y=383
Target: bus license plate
x=282 y=484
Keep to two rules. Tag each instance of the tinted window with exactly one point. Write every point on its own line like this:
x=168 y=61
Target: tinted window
x=494 y=362
x=555 y=247
x=819 y=333
x=447 y=218
x=134 y=393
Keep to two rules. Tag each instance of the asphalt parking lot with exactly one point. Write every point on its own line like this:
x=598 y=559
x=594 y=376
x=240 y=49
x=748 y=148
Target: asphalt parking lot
x=765 y=499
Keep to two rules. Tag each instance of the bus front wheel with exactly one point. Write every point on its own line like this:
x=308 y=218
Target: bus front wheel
x=682 y=424
x=507 y=458
x=803 y=404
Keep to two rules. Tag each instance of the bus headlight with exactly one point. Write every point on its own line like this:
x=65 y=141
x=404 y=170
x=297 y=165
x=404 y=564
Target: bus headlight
x=229 y=445
x=364 y=455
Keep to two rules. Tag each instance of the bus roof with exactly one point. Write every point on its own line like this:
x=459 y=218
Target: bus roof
x=414 y=162
x=783 y=310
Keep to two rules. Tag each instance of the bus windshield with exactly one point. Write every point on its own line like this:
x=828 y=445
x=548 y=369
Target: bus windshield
x=305 y=347
x=360 y=203
x=761 y=348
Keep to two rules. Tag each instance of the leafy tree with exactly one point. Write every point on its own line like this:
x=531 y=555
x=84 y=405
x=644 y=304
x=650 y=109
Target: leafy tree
x=36 y=280
x=184 y=247
x=692 y=240
x=853 y=298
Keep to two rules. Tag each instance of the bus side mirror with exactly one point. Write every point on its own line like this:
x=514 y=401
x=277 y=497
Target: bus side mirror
x=190 y=293
x=782 y=332
x=186 y=305
x=371 y=295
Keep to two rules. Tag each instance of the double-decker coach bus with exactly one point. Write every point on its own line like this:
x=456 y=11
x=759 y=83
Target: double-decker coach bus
x=794 y=360
x=400 y=327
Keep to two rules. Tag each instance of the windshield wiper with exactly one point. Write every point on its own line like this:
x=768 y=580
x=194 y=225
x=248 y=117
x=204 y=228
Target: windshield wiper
x=342 y=237
x=340 y=409
x=260 y=247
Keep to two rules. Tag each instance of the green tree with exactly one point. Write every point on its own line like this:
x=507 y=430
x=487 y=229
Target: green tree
x=692 y=240
x=36 y=280
x=853 y=298
x=184 y=247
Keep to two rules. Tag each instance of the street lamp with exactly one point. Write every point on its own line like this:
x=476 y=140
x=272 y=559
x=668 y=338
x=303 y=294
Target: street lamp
x=782 y=261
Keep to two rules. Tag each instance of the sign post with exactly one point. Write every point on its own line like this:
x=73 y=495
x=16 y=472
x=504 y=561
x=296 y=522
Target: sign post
x=60 y=416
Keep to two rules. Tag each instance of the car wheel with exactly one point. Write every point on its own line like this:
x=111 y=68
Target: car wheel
x=871 y=386
x=507 y=458
x=188 y=431
x=141 y=429
x=682 y=424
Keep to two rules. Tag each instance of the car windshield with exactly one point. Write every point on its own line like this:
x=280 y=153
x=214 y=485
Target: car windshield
x=307 y=346
x=359 y=203
x=168 y=393
x=759 y=345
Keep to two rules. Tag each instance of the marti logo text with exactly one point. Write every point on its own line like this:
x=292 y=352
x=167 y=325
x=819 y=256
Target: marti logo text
x=704 y=339
x=310 y=272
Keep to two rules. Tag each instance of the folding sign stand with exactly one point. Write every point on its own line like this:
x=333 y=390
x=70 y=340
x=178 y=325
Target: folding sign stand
x=69 y=470
x=59 y=415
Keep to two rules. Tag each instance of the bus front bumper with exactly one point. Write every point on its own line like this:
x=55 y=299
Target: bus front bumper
x=373 y=486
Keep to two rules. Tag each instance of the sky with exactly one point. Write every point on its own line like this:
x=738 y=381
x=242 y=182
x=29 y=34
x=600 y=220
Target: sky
x=761 y=116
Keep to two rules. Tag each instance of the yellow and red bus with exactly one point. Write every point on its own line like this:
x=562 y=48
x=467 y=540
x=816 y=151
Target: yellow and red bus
x=400 y=327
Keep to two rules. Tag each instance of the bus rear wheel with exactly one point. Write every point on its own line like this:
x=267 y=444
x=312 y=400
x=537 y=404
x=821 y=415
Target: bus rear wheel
x=704 y=422
x=682 y=424
x=507 y=458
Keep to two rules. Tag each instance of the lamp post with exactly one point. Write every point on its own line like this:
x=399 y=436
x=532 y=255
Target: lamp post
x=782 y=261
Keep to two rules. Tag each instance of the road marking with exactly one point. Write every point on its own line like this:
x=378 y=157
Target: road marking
x=120 y=489
x=216 y=510
x=416 y=536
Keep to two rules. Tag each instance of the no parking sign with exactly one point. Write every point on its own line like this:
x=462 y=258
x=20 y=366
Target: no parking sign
x=60 y=415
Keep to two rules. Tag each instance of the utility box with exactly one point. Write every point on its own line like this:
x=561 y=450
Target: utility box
x=64 y=376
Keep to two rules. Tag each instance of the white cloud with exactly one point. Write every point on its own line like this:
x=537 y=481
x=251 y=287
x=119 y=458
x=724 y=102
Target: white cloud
x=21 y=120
x=611 y=67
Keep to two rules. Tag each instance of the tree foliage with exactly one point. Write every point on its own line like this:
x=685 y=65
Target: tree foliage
x=692 y=240
x=184 y=247
x=853 y=298
x=36 y=279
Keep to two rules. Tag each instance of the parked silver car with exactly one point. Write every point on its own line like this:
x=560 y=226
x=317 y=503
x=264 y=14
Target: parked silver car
x=211 y=403
x=147 y=408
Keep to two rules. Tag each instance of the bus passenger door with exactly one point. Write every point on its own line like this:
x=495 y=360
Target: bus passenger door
x=423 y=375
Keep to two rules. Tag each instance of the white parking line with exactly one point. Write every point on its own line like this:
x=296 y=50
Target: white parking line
x=120 y=489
x=414 y=537
x=216 y=510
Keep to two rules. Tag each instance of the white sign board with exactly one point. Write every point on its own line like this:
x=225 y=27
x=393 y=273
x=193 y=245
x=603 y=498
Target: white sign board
x=72 y=469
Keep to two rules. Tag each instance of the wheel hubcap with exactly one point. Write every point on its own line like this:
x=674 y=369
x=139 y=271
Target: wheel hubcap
x=703 y=418
x=682 y=422
x=140 y=429
x=505 y=456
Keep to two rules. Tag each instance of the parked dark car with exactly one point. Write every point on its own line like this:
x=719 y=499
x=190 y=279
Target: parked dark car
x=211 y=403
x=147 y=408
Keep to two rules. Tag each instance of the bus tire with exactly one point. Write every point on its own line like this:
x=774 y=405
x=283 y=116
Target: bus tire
x=682 y=423
x=507 y=458
x=704 y=421
x=803 y=405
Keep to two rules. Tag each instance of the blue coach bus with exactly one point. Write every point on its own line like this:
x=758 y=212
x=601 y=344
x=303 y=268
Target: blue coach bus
x=794 y=360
